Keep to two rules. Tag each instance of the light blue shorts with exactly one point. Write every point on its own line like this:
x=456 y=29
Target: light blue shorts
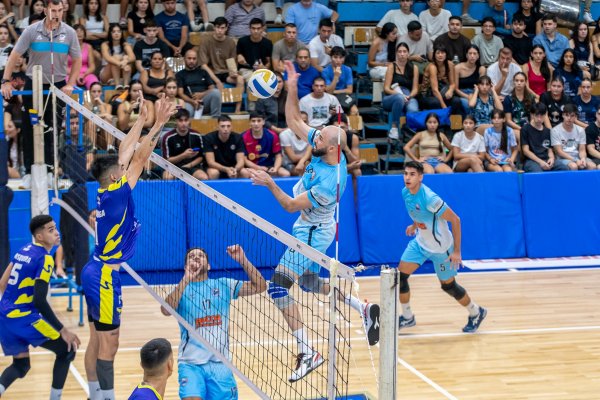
x=210 y=381
x=416 y=254
x=319 y=237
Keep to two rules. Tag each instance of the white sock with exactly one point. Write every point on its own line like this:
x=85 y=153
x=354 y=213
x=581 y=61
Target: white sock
x=473 y=309
x=55 y=394
x=354 y=303
x=406 y=311
x=94 y=387
x=2 y=389
x=302 y=340
x=108 y=394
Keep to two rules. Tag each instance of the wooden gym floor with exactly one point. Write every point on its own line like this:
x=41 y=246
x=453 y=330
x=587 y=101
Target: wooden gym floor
x=540 y=341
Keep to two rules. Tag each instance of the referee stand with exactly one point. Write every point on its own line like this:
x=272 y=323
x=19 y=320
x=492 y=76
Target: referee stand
x=68 y=287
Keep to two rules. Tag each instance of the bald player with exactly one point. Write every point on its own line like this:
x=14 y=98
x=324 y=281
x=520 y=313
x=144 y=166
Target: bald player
x=315 y=196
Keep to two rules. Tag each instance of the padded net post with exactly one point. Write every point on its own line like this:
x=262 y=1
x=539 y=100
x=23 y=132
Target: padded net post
x=39 y=172
x=388 y=333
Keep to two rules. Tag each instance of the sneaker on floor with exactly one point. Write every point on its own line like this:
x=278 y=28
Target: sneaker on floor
x=278 y=19
x=474 y=322
x=305 y=364
x=393 y=134
x=587 y=18
x=468 y=20
x=371 y=314
x=25 y=182
x=406 y=322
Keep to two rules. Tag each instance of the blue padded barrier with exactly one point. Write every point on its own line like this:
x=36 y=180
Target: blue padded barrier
x=161 y=243
x=260 y=201
x=561 y=213
x=489 y=206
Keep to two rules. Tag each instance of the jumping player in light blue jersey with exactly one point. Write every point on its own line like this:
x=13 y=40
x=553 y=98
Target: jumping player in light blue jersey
x=204 y=303
x=315 y=196
x=434 y=242
x=116 y=232
x=26 y=318
x=157 y=361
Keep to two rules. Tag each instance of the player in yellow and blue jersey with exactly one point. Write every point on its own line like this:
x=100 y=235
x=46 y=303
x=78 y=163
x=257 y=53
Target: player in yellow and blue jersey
x=157 y=362
x=315 y=196
x=116 y=232
x=204 y=303
x=435 y=242
x=26 y=318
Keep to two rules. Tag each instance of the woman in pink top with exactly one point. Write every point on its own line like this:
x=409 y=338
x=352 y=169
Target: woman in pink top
x=88 y=66
x=538 y=70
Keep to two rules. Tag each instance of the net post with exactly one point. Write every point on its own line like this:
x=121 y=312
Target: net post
x=39 y=177
x=332 y=350
x=388 y=333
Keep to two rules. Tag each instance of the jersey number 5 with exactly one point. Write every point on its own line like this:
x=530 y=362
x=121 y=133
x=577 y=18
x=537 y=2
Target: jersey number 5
x=14 y=274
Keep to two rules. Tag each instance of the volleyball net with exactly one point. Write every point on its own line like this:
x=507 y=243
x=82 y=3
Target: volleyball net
x=229 y=314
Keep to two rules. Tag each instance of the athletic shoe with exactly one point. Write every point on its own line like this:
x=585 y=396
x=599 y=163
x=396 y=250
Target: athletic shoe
x=371 y=314
x=305 y=364
x=474 y=322
x=278 y=19
x=468 y=20
x=587 y=17
x=25 y=182
x=393 y=133
x=406 y=322
x=123 y=23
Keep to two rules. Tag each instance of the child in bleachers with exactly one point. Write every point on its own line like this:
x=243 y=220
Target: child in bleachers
x=433 y=147
x=501 y=144
x=468 y=148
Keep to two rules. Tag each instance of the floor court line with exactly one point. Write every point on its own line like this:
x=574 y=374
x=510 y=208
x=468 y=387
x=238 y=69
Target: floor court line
x=425 y=379
x=82 y=382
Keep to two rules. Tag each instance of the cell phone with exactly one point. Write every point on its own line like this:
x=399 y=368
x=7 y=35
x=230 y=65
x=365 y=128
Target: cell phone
x=196 y=148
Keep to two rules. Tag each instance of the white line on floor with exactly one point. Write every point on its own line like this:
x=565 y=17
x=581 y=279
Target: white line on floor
x=426 y=379
x=79 y=378
x=502 y=332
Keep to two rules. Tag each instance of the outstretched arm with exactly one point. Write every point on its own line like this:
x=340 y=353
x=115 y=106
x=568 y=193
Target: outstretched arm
x=292 y=111
x=257 y=283
x=289 y=204
x=164 y=111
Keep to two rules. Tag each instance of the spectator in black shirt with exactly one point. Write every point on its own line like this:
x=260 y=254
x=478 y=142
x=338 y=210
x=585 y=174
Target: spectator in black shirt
x=224 y=152
x=254 y=51
x=196 y=88
x=592 y=136
x=518 y=42
x=535 y=142
x=183 y=146
x=554 y=100
x=150 y=44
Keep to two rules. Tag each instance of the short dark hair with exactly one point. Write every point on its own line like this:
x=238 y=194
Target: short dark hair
x=318 y=78
x=154 y=354
x=48 y=2
x=290 y=25
x=325 y=22
x=337 y=51
x=150 y=23
x=35 y=17
x=490 y=20
x=548 y=17
x=569 y=109
x=255 y=114
x=456 y=17
x=334 y=119
x=414 y=26
x=219 y=21
x=538 y=109
x=182 y=113
x=103 y=164
x=256 y=21
x=415 y=165
x=518 y=17
x=38 y=223
x=223 y=118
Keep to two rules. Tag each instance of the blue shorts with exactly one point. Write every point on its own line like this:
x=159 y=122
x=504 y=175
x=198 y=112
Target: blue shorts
x=319 y=237
x=416 y=254
x=17 y=334
x=210 y=381
x=102 y=290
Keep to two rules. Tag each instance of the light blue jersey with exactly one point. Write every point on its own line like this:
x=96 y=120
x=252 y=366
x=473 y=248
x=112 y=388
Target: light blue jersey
x=205 y=305
x=425 y=209
x=320 y=181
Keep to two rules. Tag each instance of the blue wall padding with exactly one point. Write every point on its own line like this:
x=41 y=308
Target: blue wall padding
x=6 y=196
x=562 y=214
x=160 y=207
x=222 y=228
x=3 y=161
x=489 y=206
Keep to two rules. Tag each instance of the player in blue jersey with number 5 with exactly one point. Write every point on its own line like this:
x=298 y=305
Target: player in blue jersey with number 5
x=204 y=303
x=435 y=242
x=315 y=196
x=157 y=361
x=26 y=318
x=116 y=233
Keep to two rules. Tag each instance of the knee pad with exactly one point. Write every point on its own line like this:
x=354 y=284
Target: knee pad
x=404 y=288
x=311 y=282
x=22 y=366
x=454 y=289
x=279 y=290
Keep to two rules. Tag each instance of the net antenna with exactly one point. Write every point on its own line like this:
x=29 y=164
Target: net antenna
x=257 y=329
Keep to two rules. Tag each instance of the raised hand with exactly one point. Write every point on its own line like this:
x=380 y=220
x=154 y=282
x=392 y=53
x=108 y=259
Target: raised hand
x=142 y=107
x=164 y=109
x=292 y=75
x=237 y=253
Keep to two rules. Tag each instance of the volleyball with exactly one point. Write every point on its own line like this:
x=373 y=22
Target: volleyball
x=263 y=83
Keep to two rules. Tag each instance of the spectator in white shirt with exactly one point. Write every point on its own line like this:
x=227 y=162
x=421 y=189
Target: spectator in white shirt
x=435 y=19
x=401 y=18
x=320 y=46
x=318 y=105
